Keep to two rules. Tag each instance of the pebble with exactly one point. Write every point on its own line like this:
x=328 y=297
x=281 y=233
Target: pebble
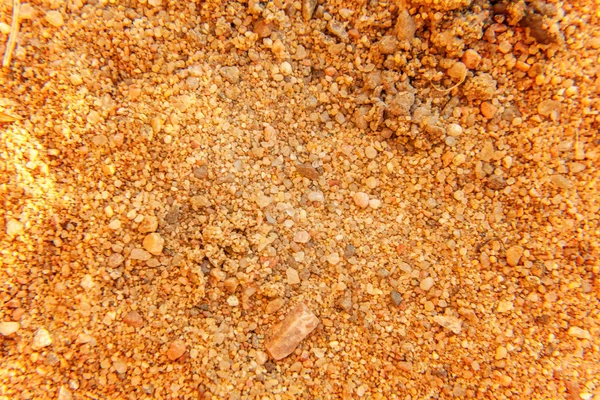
x=579 y=333
x=501 y=353
x=149 y=224
x=140 y=254
x=231 y=74
x=134 y=319
x=64 y=394
x=457 y=71
x=308 y=171
x=76 y=79
x=401 y=104
x=374 y=203
x=396 y=298
x=115 y=224
x=41 y=339
x=233 y=301
x=292 y=276
x=9 y=327
x=286 y=68
x=361 y=199
x=427 y=283
x=333 y=258
x=449 y=322
x=120 y=366
x=55 y=18
x=301 y=237
x=388 y=45
x=370 y=152
x=337 y=29
x=561 y=181
x=93 y=117
x=274 y=305
x=316 y=196
x=176 y=349
x=154 y=243
x=308 y=9
x=505 y=306
x=288 y=334
x=87 y=282
x=13 y=228
x=471 y=59
x=405 y=26
x=513 y=255
x=454 y=130
x=488 y=110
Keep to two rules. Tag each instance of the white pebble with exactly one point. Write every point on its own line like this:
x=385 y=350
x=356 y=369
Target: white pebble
x=316 y=196
x=233 y=301
x=361 y=199
x=13 y=227
x=374 y=203
x=292 y=276
x=370 y=152
x=115 y=224
x=333 y=258
x=454 y=130
x=286 y=68
x=87 y=282
x=301 y=237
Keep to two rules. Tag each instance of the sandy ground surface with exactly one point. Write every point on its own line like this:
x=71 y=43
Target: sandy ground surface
x=423 y=177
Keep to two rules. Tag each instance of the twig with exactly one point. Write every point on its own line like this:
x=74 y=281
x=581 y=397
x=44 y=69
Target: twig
x=452 y=88
x=14 y=31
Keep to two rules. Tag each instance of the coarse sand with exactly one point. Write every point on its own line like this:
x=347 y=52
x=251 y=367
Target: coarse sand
x=300 y=199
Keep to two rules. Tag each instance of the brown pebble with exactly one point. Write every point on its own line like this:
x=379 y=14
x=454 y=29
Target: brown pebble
x=288 y=334
x=488 y=110
x=308 y=171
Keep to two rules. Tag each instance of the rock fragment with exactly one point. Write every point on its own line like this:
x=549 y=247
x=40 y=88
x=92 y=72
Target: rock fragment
x=134 y=319
x=288 y=334
x=513 y=255
x=154 y=243
x=449 y=322
x=41 y=339
x=176 y=349
x=308 y=9
x=8 y=328
x=231 y=74
x=308 y=171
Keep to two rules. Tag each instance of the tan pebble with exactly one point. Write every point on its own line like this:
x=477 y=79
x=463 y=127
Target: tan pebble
x=8 y=328
x=579 y=333
x=76 y=79
x=120 y=366
x=13 y=227
x=501 y=352
x=457 y=71
x=93 y=117
x=286 y=68
x=361 y=199
x=55 y=18
x=561 y=181
x=505 y=306
x=274 y=305
x=292 y=276
x=374 y=203
x=231 y=284
x=308 y=171
x=64 y=394
x=41 y=339
x=233 y=301
x=134 y=319
x=288 y=334
x=154 y=243
x=140 y=254
x=513 y=255
x=301 y=237
x=427 y=283
x=176 y=349
x=449 y=322
x=370 y=152
x=149 y=224
x=488 y=110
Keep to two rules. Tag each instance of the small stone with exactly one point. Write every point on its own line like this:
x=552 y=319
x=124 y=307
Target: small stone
x=370 y=152
x=55 y=18
x=292 y=276
x=13 y=228
x=263 y=201
x=337 y=29
x=405 y=26
x=547 y=107
x=274 y=305
x=374 y=203
x=496 y=182
x=454 y=130
x=308 y=9
x=427 y=283
x=388 y=45
x=231 y=74
x=286 y=68
x=316 y=196
x=134 y=319
x=333 y=258
x=513 y=255
x=579 y=333
x=488 y=110
x=93 y=117
x=231 y=284
x=505 y=306
x=396 y=298
x=457 y=71
x=154 y=243
x=481 y=87
x=64 y=394
x=76 y=79
x=87 y=282
x=401 y=104
x=301 y=237
x=501 y=353
x=449 y=322
x=471 y=59
x=8 y=328
x=459 y=391
x=41 y=339
x=308 y=171
x=149 y=224
x=561 y=181
x=233 y=301
x=140 y=254
x=120 y=366
x=361 y=199
x=176 y=349
x=288 y=334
